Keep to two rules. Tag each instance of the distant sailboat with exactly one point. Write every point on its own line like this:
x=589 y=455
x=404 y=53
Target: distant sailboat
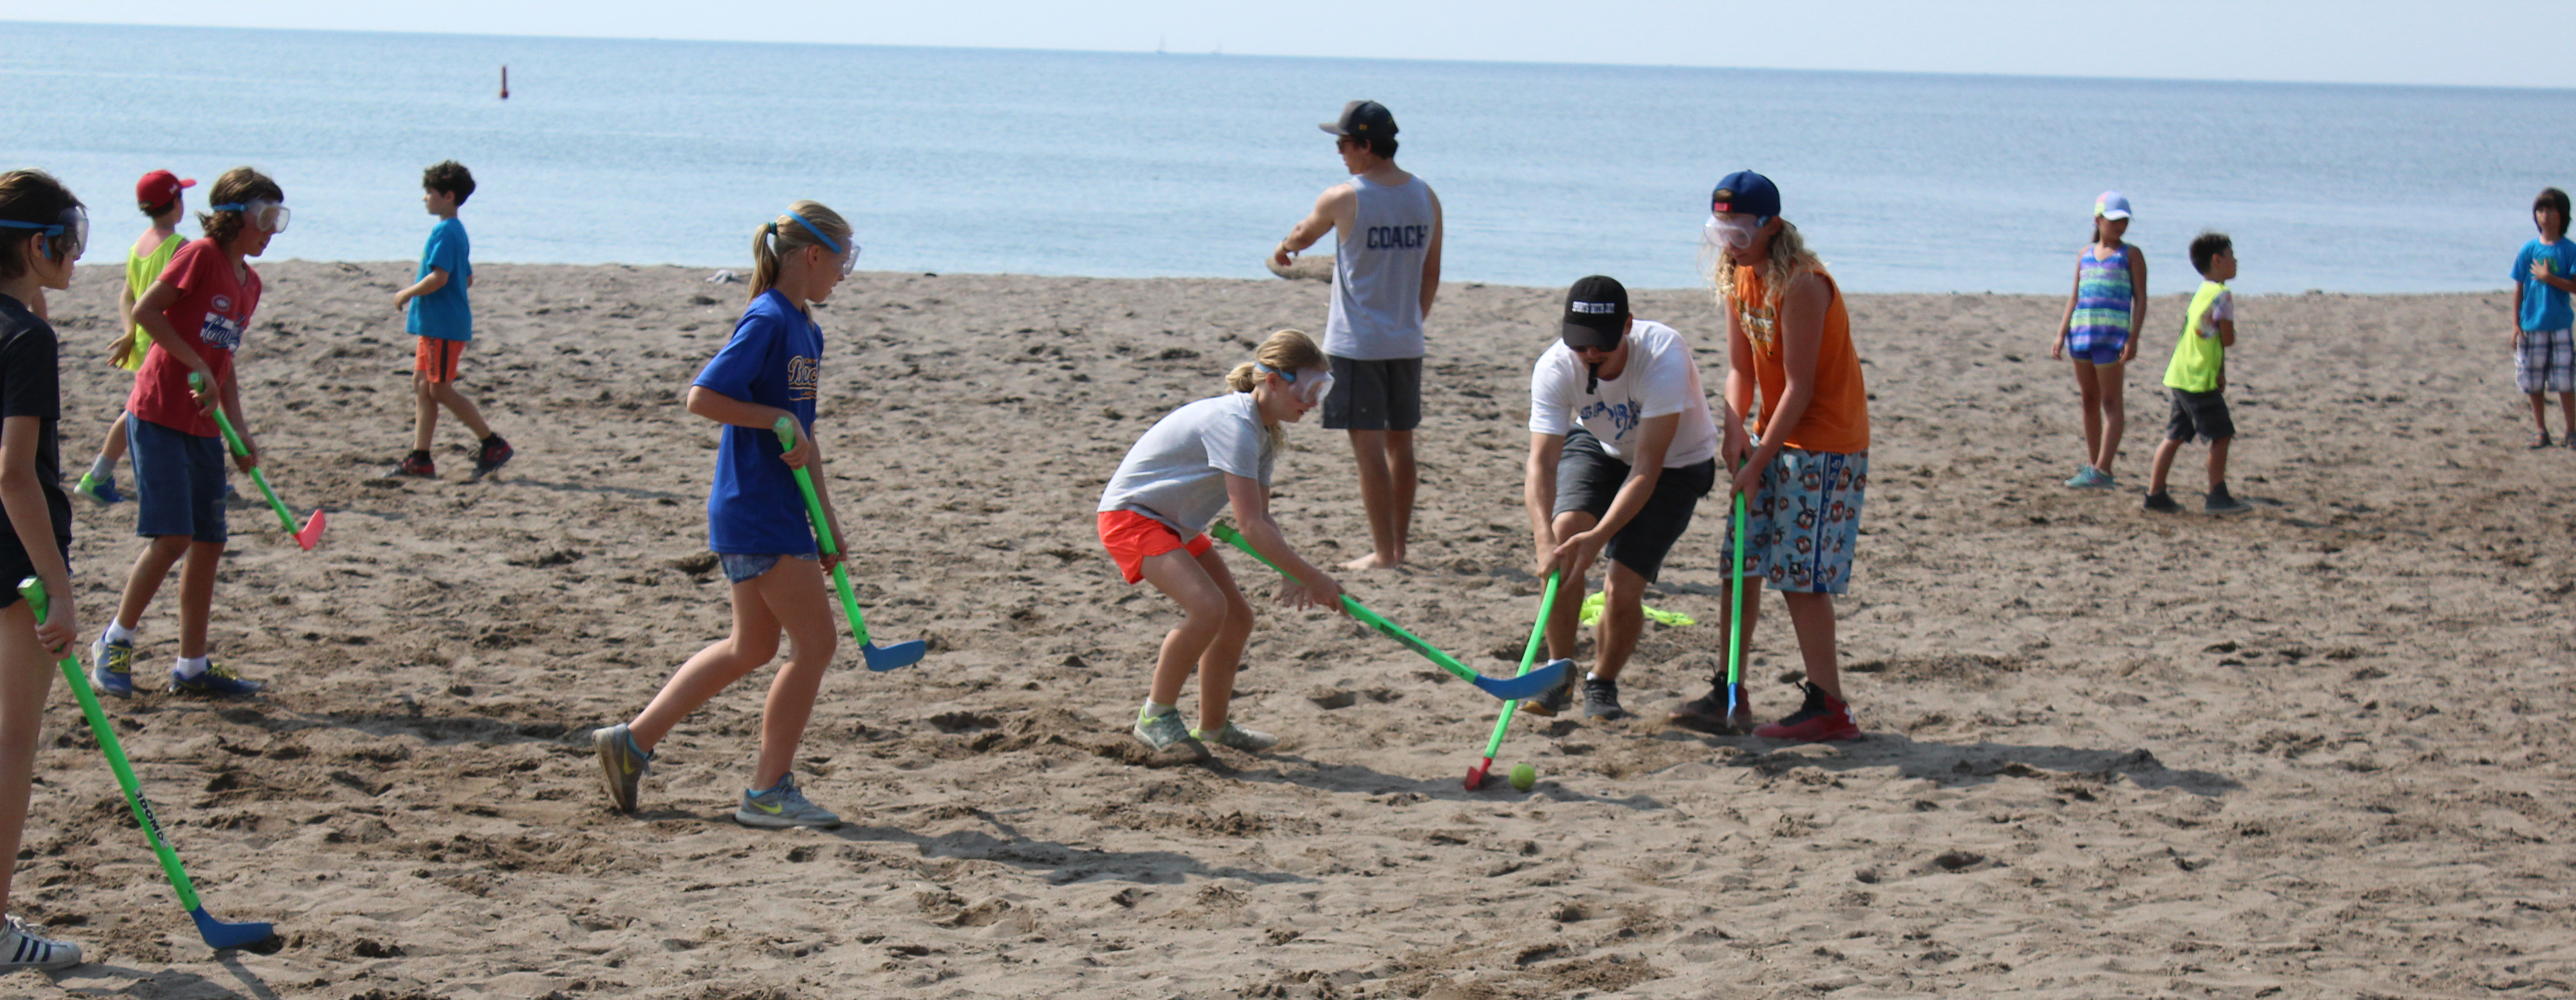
x=505 y=83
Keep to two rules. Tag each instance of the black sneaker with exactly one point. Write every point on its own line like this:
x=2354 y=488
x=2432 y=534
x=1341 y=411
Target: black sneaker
x=496 y=453
x=1555 y=699
x=2162 y=503
x=2221 y=503
x=1708 y=713
x=1601 y=699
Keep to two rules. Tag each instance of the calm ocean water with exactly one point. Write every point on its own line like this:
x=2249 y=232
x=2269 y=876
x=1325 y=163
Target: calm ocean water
x=1120 y=165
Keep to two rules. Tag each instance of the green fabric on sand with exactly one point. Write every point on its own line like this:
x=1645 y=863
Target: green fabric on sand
x=1669 y=619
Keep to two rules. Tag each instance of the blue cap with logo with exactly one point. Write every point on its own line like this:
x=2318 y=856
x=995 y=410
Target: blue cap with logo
x=1747 y=193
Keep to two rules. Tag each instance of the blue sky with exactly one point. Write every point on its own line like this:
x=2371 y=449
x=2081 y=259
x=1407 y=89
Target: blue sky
x=2511 y=43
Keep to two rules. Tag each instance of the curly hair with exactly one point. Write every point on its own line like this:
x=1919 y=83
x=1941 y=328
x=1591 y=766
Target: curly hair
x=449 y=177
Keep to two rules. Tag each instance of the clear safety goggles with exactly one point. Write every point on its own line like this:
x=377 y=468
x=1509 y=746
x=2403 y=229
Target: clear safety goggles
x=1733 y=229
x=1310 y=387
x=849 y=254
x=62 y=239
x=269 y=216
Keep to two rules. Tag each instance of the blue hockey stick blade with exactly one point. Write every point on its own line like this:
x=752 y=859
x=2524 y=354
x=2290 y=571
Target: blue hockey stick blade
x=901 y=654
x=1529 y=685
x=219 y=934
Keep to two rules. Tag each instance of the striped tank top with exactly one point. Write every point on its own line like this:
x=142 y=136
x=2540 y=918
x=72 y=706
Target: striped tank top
x=2103 y=298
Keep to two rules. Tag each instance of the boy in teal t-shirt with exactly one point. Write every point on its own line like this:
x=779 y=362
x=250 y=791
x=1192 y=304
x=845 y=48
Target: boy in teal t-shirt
x=2197 y=379
x=444 y=321
x=2544 y=348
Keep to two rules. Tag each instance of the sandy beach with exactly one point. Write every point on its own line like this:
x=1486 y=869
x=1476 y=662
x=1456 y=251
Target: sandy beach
x=2321 y=750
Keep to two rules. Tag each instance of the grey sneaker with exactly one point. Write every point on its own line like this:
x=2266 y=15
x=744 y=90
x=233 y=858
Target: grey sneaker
x=1601 y=699
x=2220 y=502
x=621 y=764
x=22 y=949
x=783 y=805
x=1246 y=740
x=1163 y=730
x=1555 y=699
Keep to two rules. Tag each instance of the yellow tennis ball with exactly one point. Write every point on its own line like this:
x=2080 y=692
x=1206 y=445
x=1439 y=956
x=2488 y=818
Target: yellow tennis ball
x=1524 y=776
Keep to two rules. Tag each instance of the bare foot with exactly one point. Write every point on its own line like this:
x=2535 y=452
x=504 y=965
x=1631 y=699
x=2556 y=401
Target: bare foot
x=1373 y=561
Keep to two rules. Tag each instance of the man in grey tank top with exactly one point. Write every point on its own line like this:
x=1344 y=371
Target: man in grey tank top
x=1385 y=273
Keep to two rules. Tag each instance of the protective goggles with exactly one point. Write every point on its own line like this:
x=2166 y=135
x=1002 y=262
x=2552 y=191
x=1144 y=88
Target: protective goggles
x=269 y=216
x=68 y=233
x=1309 y=387
x=849 y=257
x=1734 y=229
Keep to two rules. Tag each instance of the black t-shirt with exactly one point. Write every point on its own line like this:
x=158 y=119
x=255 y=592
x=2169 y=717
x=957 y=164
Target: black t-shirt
x=31 y=381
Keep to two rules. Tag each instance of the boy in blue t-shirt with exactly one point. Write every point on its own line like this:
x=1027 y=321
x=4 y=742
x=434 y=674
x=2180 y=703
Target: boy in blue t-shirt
x=444 y=321
x=2544 y=350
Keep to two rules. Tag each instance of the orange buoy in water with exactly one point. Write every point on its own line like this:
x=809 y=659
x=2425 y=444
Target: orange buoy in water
x=505 y=83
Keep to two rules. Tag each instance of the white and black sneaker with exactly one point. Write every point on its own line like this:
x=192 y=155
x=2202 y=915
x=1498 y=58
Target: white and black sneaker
x=21 y=948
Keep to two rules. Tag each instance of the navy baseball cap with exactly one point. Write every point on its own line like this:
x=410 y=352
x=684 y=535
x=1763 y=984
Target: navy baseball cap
x=1746 y=192
x=1362 y=120
x=1596 y=313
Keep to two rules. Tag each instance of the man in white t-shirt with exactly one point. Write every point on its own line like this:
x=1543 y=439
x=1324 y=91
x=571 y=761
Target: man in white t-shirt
x=1385 y=273
x=1622 y=446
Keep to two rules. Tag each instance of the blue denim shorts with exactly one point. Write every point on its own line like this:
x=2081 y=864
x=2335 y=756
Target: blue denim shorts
x=739 y=568
x=178 y=482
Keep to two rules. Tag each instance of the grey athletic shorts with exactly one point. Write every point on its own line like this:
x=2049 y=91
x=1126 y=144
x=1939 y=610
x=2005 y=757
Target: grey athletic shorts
x=1374 y=395
x=1588 y=480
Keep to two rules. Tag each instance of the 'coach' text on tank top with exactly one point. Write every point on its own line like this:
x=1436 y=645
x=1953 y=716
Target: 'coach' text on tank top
x=1377 y=273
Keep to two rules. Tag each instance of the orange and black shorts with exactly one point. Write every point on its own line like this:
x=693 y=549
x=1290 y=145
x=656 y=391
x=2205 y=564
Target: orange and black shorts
x=438 y=357
x=1133 y=538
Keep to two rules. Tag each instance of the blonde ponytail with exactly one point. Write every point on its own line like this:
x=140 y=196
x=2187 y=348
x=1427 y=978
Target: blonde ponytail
x=782 y=235
x=1284 y=351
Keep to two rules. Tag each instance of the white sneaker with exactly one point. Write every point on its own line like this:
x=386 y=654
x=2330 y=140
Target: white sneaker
x=23 y=949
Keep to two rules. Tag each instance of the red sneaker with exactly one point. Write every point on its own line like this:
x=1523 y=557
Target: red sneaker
x=1822 y=719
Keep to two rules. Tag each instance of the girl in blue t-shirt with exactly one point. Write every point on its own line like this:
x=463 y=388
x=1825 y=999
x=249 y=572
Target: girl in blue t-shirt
x=756 y=522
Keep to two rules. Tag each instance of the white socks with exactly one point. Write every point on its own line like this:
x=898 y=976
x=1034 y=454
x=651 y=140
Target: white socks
x=190 y=666
x=118 y=633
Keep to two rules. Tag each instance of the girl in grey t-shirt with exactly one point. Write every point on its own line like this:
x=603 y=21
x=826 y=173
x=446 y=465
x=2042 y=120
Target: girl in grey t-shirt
x=1186 y=469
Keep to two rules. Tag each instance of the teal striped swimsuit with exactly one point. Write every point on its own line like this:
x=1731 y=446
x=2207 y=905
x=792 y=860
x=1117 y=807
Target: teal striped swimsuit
x=2103 y=298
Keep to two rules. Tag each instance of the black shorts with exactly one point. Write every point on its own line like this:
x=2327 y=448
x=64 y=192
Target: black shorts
x=2198 y=414
x=15 y=566
x=1374 y=395
x=1588 y=480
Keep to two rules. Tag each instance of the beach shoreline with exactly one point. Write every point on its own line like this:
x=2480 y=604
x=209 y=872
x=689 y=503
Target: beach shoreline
x=2320 y=748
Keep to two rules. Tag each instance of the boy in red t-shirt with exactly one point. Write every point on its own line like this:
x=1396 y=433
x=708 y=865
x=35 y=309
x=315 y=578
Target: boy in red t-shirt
x=195 y=313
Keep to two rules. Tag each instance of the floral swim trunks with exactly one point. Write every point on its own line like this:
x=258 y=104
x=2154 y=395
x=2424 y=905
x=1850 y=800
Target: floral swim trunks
x=1804 y=521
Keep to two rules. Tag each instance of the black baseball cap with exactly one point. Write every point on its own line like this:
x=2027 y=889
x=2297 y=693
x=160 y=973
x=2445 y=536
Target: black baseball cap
x=1596 y=313
x=1362 y=120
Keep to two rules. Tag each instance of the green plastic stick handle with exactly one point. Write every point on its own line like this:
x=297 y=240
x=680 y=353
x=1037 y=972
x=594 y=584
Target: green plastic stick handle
x=1529 y=655
x=197 y=381
x=34 y=591
x=786 y=429
x=1735 y=618
x=1226 y=533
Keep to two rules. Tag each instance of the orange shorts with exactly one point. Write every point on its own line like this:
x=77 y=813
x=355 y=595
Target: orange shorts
x=1132 y=538
x=437 y=357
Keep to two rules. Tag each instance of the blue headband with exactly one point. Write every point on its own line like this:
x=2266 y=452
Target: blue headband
x=809 y=227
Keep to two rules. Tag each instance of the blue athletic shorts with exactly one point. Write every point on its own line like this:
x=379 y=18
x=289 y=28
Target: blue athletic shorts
x=178 y=482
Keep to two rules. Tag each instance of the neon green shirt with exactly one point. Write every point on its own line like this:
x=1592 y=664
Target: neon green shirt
x=140 y=273
x=2198 y=357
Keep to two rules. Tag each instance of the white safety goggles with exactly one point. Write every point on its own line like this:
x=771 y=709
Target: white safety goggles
x=849 y=255
x=1734 y=229
x=269 y=216
x=1310 y=387
x=62 y=239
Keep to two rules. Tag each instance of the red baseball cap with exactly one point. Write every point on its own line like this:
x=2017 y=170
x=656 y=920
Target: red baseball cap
x=159 y=186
